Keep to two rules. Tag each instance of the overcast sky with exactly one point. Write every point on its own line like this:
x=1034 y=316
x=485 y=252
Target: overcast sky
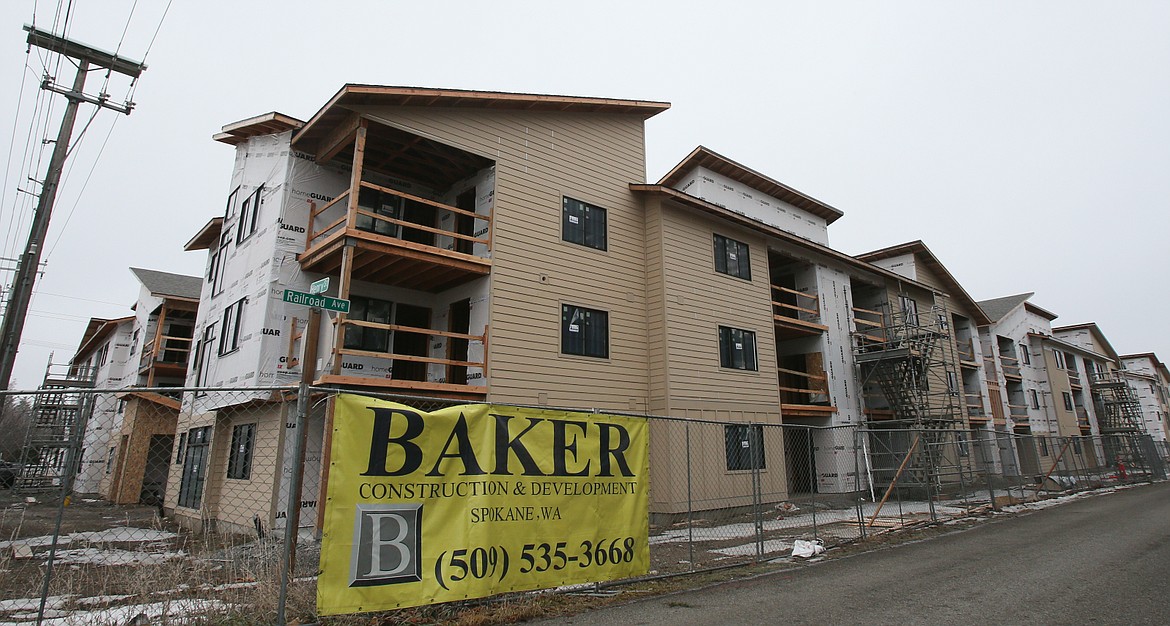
x=1027 y=143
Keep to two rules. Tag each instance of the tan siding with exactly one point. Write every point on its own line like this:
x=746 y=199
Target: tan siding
x=540 y=157
x=699 y=300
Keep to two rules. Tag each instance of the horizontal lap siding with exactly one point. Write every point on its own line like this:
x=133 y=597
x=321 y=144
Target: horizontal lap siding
x=541 y=157
x=709 y=300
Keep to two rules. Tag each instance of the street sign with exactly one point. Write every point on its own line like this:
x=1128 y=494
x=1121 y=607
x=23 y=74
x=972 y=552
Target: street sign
x=323 y=302
x=319 y=286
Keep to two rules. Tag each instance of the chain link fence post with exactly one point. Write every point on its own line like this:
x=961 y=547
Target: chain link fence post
x=293 y=508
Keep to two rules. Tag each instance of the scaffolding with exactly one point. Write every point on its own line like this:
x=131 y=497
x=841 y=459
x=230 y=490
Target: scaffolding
x=59 y=415
x=910 y=358
x=1119 y=417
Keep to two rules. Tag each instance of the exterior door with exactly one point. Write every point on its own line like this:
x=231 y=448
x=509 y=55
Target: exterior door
x=195 y=468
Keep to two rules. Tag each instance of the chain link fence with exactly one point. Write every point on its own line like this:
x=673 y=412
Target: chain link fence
x=154 y=503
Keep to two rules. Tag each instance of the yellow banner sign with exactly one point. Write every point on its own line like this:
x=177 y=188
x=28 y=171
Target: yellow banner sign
x=475 y=500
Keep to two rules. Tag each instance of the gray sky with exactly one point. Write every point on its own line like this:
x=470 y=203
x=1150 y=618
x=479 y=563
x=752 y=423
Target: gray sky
x=1027 y=143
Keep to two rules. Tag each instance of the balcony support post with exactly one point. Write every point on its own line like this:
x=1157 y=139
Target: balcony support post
x=355 y=181
x=158 y=335
x=343 y=285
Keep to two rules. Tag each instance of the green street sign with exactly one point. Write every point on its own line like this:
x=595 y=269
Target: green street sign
x=322 y=302
x=319 y=286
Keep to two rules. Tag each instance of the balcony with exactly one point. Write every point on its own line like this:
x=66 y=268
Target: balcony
x=400 y=359
x=1011 y=367
x=398 y=239
x=975 y=406
x=965 y=350
x=870 y=326
x=804 y=394
x=796 y=313
x=166 y=353
x=1083 y=419
x=1074 y=378
x=1018 y=410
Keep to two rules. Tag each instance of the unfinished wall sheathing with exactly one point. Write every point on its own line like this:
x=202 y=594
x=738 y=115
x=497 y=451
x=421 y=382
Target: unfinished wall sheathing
x=743 y=199
x=829 y=447
x=104 y=421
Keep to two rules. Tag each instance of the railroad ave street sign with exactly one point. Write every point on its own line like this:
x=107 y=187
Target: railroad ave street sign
x=324 y=302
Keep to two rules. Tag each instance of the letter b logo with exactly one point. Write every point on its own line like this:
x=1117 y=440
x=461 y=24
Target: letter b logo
x=387 y=545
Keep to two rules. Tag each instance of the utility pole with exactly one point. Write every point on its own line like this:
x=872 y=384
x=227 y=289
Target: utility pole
x=30 y=261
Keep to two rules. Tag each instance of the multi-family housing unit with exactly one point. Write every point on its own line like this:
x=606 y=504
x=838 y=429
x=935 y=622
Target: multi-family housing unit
x=128 y=435
x=1150 y=380
x=1049 y=379
x=505 y=247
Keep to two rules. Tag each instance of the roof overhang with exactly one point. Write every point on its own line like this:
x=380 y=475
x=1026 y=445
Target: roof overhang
x=152 y=397
x=1045 y=313
x=207 y=236
x=709 y=159
x=715 y=210
x=1070 y=347
x=923 y=253
x=97 y=330
x=1095 y=330
x=339 y=107
x=266 y=124
x=1158 y=364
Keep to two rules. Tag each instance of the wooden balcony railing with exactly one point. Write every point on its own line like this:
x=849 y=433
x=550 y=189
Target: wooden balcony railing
x=336 y=215
x=1010 y=365
x=806 y=307
x=167 y=349
x=1082 y=417
x=398 y=328
x=975 y=405
x=1074 y=377
x=1018 y=410
x=869 y=324
x=817 y=385
x=965 y=349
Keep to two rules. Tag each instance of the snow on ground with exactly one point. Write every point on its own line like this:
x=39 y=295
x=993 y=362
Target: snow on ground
x=749 y=549
x=95 y=556
x=124 y=534
x=180 y=611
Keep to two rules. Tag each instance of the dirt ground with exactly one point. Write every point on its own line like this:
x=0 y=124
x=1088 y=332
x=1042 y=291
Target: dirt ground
x=20 y=519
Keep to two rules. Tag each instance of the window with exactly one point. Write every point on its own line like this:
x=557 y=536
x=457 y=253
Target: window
x=1025 y=358
x=383 y=204
x=203 y=356
x=952 y=384
x=909 y=308
x=249 y=211
x=1077 y=446
x=365 y=338
x=1043 y=446
x=230 y=209
x=1035 y=398
x=100 y=359
x=1068 y=400
x=218 y=262
x=745 y=446
x=737 y=349
x=110 y=460
x=1058 y=357
x=194 y=467
x=181 y=449
x=240 y=455
x=584 y=332
x=583 y=224
x=732 y=258
x=229 y=333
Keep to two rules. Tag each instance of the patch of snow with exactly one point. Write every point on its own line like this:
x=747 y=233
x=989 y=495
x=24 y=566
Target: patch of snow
x=32 y=604
x=94 y=556
x=175 y=611
x=749 y=549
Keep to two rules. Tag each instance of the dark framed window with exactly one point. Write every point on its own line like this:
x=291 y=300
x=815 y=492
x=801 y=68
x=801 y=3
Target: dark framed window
x=249 y=212
x=229 y=335
x=365 y=338
x=909 y=308
x=1025 y=357
x=1035 y=398
x=203 y=355
x=194 y=467
x=1068 y=400
x=952 y=383
x=583 y=224
x=240 y=456
x=1043 y=446
x=230 y=209
x=218 y=263
x=732 y=258
x=383 y=204
x=584 y=332
x=737 y=349
x=745 y=446
x=181 y=449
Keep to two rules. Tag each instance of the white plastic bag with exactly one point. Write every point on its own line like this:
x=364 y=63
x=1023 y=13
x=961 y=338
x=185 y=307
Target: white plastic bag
x=807 y=549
